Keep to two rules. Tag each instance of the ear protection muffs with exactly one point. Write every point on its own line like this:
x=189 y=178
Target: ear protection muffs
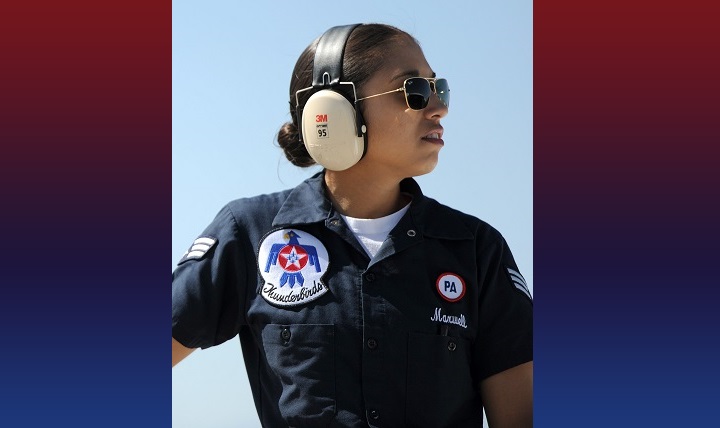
x=331 y=127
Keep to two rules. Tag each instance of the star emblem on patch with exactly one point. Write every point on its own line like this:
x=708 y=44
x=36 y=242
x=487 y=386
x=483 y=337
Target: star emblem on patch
x=292 y=258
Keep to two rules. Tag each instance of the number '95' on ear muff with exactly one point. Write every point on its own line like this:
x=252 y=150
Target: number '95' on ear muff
x=331 y=127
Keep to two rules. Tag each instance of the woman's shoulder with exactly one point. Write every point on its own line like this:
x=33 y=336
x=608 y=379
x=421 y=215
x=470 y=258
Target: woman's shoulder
x=443 y=217
x=302 y=203
x=264 y=202
x=255 y=212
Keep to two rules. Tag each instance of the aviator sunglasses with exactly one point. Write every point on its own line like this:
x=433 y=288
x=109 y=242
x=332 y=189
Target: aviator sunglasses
x=418 y=91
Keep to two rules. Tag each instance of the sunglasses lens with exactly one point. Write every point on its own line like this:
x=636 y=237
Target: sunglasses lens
x=417 y=92
x=443 y=91
x=419 y=89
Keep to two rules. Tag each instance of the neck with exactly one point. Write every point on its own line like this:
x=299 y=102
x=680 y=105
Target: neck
x=362 y=195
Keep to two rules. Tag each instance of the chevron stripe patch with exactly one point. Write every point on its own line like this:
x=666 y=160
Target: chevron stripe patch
x=198 y=248
x=519 y=282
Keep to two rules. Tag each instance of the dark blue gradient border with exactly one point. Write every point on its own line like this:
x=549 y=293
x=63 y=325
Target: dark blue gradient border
x=626 y=214
x=85 y=131
x=627 y=126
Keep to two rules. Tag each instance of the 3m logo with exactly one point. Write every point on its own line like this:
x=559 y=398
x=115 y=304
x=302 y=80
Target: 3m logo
x=320 y=118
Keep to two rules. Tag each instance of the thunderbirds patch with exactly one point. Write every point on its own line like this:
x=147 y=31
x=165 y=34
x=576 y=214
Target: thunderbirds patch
x=292 y=264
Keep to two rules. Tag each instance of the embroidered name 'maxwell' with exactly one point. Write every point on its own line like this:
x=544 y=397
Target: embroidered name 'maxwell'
x=448 y=319
x=198 y=249
x=519 y=282
x=292 y=264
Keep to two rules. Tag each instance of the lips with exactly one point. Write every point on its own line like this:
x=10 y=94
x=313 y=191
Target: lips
x=434 y=136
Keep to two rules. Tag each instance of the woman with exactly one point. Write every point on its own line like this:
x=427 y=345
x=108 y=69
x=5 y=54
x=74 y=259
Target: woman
x=358 y=300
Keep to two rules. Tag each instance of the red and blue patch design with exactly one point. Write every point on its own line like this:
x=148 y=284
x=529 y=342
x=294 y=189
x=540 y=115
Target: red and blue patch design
x=292 y=264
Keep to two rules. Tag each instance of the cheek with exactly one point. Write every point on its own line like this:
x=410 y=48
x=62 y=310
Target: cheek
x=385 y=113
x=385 y=124
x=374 y=119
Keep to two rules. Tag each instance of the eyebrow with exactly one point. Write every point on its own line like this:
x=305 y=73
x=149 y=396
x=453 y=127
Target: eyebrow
x=409 y=73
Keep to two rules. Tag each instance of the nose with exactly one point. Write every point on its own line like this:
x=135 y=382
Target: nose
x=435 y=108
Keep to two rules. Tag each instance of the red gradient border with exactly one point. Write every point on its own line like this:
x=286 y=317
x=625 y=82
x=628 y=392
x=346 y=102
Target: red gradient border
x=627 y=133
x=626 y=154
x=85 y=127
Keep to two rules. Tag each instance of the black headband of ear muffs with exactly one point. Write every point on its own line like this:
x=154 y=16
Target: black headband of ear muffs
x=328 y=63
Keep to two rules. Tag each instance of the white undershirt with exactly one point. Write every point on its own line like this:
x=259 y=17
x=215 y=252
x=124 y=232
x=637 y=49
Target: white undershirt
x=371 y=232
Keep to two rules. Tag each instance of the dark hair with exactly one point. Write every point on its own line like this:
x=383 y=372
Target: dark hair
x=365 y=53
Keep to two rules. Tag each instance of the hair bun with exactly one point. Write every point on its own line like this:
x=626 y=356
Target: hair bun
x=288 y=138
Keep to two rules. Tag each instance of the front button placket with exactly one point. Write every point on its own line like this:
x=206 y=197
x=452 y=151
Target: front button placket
x=374 y=326
x=404 y=236
x=337 y=225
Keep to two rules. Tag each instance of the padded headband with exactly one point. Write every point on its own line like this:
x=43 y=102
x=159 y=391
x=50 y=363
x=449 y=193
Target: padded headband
x=328 y=64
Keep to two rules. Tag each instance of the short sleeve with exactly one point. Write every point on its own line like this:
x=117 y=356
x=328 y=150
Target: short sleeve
x=505 y=336
x=207 y=287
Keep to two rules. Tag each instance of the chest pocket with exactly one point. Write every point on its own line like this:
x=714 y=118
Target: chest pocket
x=440 y=390
x=302 y=356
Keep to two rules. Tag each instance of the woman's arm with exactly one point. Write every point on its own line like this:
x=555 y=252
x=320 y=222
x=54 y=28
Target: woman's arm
x=179 y=352
x=508 y=397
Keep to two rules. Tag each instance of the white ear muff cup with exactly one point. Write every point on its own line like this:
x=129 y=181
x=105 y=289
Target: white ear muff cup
x=329 y=131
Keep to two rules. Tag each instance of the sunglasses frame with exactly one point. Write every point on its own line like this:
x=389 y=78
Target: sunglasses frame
x=433 y=88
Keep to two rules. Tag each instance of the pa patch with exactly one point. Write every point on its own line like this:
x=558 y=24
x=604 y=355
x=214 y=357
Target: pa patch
x=198 y=249
x=292 y=264
x=450 y=286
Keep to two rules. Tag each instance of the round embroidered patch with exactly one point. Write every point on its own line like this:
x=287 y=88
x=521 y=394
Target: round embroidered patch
x=292 y=264
x=450 y=286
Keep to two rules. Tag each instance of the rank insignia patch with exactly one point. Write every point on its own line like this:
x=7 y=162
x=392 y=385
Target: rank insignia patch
x=450 y=286
x=519 y=282
x=198 y=249
x=292 y=264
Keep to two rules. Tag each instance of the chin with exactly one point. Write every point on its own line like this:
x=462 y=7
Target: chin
x=427 y=168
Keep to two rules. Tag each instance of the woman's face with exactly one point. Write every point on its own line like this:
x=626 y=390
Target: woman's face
x=400 y=140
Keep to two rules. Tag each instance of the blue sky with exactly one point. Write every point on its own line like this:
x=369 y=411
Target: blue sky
x=231 y=71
